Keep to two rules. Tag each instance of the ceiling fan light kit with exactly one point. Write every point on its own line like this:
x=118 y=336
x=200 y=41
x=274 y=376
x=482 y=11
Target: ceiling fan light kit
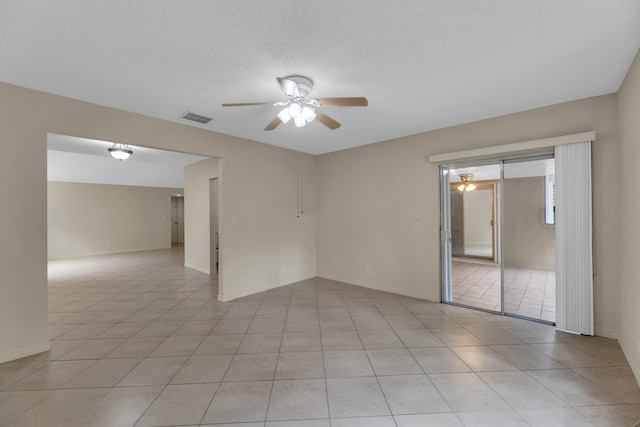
x=300 y=107
x=466 y=185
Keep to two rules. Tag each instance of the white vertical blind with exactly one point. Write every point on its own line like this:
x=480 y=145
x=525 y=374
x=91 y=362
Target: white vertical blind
x=445 y=234
x=574 y=259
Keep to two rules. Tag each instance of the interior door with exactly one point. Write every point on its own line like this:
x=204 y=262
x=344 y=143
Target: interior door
x=174 y=220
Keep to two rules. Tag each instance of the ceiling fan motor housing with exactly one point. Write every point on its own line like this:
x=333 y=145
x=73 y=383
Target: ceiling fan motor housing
x=300 y=106
x=305 y=85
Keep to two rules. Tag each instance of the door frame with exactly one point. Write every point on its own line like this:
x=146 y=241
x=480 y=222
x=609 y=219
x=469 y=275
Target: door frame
x=492 y=185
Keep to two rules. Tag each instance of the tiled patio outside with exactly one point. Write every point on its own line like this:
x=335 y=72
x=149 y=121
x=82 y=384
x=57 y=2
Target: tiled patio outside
x=529 y=293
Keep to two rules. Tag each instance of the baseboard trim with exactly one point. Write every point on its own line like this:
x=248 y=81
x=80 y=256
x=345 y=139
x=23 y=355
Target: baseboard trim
x=110 y=252
x=606 y=332
x=378 y=287
x=230 y=297
x=200 y=269
x=19 y=353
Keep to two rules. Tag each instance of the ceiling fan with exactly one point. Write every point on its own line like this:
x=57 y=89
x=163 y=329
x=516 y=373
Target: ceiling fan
x=300 y=106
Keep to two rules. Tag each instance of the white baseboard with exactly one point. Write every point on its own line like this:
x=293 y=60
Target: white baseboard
x=19 y=353
x=200 y=269
x=606 y=332
x=107 y=252
x=375 y=286
x=229 y=296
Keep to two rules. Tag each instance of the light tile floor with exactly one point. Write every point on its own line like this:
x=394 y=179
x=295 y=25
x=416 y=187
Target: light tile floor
x=137 y=339
x=529 y=293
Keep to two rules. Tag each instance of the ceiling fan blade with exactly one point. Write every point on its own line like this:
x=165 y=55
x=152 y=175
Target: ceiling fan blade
x=274 y=124
x=326 y=120
x=289 y=87
x=344 y=102
x=245 y=104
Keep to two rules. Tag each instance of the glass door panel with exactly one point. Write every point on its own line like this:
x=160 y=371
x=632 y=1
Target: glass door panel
x=470 y=238
x=529 y=244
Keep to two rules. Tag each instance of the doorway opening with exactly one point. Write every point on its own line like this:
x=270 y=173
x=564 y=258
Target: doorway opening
x=213 y=224
x=98 y=205
x=177 y=220
x=498 y=238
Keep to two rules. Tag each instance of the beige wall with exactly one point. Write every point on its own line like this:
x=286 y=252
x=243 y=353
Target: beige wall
x=365 y=203
x=368 y=198
x=628 y=303
x=93 y=219
x=259 y=188
x=197 y=245
x=477 y=215
x=528 y=241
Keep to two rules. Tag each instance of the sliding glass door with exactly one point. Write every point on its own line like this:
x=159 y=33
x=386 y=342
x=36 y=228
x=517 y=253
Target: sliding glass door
x=470 y=236
x=498 y=237
x=529 y=243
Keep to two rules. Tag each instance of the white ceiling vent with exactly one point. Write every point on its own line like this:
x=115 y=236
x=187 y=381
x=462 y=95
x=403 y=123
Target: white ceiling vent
x=196 y=117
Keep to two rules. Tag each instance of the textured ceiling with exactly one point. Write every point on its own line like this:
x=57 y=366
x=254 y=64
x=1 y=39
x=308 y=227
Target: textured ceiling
x=73 y=159
x=422 y=64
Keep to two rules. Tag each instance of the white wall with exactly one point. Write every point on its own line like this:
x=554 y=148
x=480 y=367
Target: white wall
x=628 y=304
x=213 y=223
x=267 y=241
x=94 y=219
x=259 y=189
x=477 y=217
x=368 y=198
x=197 y=245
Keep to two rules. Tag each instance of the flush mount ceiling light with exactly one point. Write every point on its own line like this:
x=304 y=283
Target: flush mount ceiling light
x=466 y=185
x=120 y=151
x=300 y=107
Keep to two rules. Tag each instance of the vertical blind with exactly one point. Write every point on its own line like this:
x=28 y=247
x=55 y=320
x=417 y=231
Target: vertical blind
x=574 y=258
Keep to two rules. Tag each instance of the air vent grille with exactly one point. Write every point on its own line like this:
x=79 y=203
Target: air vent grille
x=196 y=117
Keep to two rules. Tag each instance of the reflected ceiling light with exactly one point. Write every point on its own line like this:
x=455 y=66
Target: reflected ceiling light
x=120 y=151
x=466 y=185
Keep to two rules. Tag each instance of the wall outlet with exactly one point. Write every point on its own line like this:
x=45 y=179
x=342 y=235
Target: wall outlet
x=284 y=268
x=368 y=269
x=638 y=337
x=416 y=219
